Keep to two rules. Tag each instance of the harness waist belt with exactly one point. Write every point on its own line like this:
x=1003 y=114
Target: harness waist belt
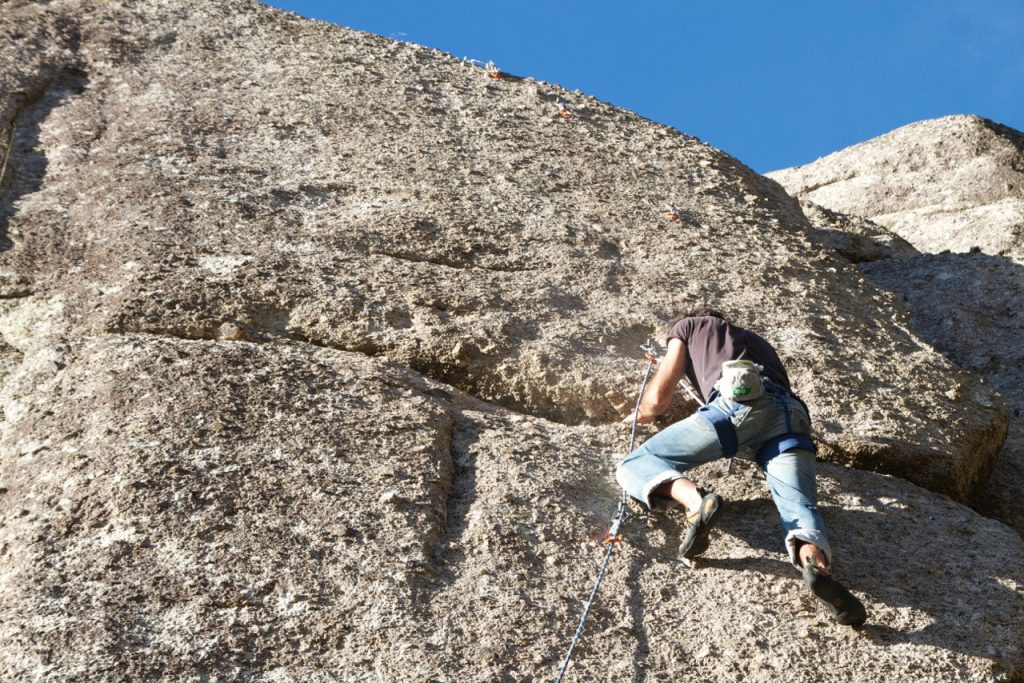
x=721 y=421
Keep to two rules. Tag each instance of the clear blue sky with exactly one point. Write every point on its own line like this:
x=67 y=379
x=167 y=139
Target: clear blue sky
x=775 y=83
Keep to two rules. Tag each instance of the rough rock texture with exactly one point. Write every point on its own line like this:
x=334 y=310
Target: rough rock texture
x=253 y=262
x=856 y=239
x=36 y=53
x=969 y=307
x=257 y=176
x=953 y=183
x=317 y=515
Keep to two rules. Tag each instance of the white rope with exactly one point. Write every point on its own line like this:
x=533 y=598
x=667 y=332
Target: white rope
x=613 y=534
x=7 y=152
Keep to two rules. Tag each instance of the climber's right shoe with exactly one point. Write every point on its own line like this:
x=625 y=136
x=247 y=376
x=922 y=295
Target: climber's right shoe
x=698 y=525
x=841 y=603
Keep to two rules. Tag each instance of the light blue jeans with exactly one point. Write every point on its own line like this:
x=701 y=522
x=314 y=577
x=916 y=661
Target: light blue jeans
x=693 y=441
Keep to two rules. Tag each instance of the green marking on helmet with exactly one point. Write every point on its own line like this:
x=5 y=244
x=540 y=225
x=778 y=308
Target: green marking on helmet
x=741 y=391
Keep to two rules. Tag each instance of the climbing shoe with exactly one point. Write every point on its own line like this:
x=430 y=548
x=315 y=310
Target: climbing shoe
x=841 y=603
x=698 y=526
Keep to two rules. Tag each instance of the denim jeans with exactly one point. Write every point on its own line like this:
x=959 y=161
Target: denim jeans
x=693 y=441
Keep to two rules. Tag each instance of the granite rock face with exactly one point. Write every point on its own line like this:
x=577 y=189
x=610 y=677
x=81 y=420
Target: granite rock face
x=953 y=183
x=314 y=345
x=317 y=515
x=260 y=177
x=968 y=307
x=950 y=185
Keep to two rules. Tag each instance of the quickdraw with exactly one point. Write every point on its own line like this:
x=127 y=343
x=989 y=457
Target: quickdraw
x=493 y=71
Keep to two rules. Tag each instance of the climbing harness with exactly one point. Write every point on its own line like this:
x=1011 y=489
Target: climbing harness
x=613 y=537
x=790 y=439
x=738 y=378
x=721 y=421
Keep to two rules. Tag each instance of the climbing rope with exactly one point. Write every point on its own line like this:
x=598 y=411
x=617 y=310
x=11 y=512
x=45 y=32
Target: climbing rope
x=7 y=152
x=613 y=537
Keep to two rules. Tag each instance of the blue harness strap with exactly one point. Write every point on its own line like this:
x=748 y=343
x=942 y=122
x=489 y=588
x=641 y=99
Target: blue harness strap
x=721 y=421
x=783 y=444
x=724 y=428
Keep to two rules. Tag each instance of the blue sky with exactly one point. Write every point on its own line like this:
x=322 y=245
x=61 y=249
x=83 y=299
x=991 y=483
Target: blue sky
x=774 y=83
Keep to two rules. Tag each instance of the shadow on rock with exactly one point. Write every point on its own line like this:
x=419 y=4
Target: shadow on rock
x=965 y=305
x=897 y=557
x=24 y=167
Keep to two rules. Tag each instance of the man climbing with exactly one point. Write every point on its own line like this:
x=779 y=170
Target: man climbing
x=749 y=405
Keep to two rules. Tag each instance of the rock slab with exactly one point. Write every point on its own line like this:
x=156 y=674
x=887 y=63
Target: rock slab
x=314 y=348
x=952 y=186
x=252 y=175
x=953 y=183
x=317 y=515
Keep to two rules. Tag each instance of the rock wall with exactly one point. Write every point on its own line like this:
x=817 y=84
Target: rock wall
x=314 y=347
x=314 y=514
x=977 y=328
x=939 y=184
x=256 y=176
x=855 y=238
x=948 y=185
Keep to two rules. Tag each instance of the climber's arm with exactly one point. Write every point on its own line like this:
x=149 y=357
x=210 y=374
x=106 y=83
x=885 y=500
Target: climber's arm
x=658 y=396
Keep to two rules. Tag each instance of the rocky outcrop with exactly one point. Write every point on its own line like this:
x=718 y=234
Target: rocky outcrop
x=319 y=515
x=315 y=344
x=968 y=306
x=383 y=198
x=948 y=185
x=856 y=239
x=953 y=183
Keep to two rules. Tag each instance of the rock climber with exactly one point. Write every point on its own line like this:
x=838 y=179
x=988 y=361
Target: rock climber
x=750 y=404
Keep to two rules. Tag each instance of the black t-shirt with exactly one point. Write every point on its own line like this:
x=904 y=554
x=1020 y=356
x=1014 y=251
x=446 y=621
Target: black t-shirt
x=711 y=341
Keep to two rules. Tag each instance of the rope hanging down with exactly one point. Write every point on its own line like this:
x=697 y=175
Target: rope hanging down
x=613 y=536
x=7 y=151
